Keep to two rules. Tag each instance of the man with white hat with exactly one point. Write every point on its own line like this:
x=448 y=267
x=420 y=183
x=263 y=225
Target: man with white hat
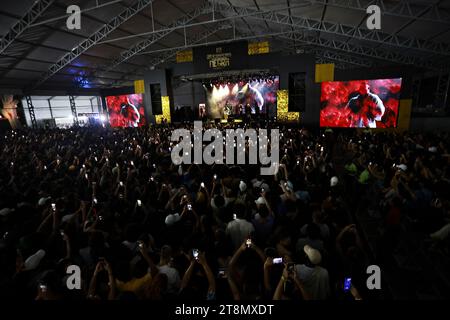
x=334 y=181
x=314 y=277
x=243 y=195
x=171 y=219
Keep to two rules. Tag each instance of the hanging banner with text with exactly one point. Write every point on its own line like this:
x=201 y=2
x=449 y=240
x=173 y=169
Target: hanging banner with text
x=231 y=56
x=258 y=48
x=185 y=56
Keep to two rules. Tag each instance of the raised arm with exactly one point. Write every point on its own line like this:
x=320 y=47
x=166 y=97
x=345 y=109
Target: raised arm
x=235 y=258
x=280 y=287
x=263 y=194
x=187 y=275
x=173 y=195
x=112 y=281
x=267 y=268
x=299 y=285
x=93 y=282
x=45 y=221
x=67 y=243
x=143 y=250
x=232 y=270
x=209 y=274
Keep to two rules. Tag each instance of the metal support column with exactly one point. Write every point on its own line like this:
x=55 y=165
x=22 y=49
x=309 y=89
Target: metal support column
x=31 y=111
x=442 y=88
x=416 y=84
x=92 y=105
x=100 y=106
x=73 y=107
x=50 y=108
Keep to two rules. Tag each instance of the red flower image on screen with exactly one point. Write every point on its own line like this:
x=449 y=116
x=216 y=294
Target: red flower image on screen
x=360 y=103
x=126 y=110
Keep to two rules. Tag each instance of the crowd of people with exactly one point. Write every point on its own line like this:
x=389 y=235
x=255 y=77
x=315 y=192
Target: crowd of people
x=111 y=202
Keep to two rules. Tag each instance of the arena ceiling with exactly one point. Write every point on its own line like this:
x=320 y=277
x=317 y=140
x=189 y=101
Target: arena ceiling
x=120 y=39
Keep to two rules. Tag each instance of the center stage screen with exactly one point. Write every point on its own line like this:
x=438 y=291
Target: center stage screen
x=360 y=103
x=254 y=96
x=126 y=110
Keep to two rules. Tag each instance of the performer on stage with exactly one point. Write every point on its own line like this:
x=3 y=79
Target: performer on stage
x=9 y=111
x=366 y=108
x=228 y=109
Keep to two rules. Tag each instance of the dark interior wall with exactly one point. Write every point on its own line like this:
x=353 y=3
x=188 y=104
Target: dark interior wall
x=189 y=93
x=421 y=124
x=117 y=91
x=302 y=63
x=157 y=76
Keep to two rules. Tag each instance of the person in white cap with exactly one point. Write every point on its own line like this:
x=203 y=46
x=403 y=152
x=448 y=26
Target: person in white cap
x=243 y=194
x=334 y=181
x=315 y=278
x=171 y=219
x=33 y=261
x=262 y=201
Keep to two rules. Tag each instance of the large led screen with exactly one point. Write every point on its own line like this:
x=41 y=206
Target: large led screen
x=360 y=103
x=243 y=97
x=126 y=110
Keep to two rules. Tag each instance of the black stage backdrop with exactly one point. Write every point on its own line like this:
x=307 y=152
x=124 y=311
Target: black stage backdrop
x=231 y=56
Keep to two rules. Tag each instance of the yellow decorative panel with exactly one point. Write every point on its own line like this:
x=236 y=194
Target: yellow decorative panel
x=185 y=56
x=158 y=118
x=404 y=114
x=324 y=72
x=282 y=101
x=165 y=111
x=283 y=115
x=139 y=86
x=258 y=48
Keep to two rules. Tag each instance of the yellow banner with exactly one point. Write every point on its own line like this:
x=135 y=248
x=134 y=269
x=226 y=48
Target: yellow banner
x=139 y=86
x=404 y=114
x=258 y=48
x=185 y=56
x=324 y=72
x=165 y=111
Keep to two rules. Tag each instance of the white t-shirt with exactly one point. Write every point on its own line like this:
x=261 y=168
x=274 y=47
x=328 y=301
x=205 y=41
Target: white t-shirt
x=238 y=230
x=173 y=278
x=315 y=281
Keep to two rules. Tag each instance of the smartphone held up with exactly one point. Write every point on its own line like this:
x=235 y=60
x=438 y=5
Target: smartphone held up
x=277 y=260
